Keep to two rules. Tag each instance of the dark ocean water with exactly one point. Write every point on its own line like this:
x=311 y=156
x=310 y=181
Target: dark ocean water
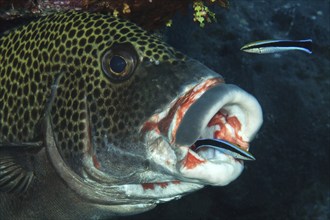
x=290 y=178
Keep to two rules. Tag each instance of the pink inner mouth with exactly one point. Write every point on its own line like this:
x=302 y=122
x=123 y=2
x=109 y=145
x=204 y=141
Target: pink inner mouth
x=230 y=127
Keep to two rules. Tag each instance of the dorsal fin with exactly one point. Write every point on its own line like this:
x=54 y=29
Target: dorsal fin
x=13 y=177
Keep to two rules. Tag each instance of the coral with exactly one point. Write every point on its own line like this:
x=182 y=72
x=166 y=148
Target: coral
x=149 y=14
x=202 y=13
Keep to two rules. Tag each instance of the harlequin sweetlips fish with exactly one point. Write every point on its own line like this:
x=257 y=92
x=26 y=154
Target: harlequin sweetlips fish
x=99 y=118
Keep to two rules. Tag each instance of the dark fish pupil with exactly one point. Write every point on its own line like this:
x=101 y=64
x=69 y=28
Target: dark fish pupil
x=117 y=64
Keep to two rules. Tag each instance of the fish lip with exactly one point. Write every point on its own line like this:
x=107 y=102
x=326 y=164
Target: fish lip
x=221 y=96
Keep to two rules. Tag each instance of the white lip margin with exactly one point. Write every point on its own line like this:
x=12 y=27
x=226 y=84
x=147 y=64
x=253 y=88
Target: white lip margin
x=226 y=97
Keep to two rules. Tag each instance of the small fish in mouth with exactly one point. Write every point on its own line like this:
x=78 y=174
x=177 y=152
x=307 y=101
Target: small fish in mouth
x=224 y=147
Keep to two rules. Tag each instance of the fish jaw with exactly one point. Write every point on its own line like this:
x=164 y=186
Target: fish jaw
x=210 y=109
x=175 y=167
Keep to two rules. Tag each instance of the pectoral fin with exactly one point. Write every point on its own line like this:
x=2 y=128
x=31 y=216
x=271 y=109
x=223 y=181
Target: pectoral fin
x=16 y=173
x=13 y=177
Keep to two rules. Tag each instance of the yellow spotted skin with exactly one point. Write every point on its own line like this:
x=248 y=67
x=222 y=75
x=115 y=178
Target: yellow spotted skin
x=64 y=51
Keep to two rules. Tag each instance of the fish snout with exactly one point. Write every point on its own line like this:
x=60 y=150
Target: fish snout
x=207 y=110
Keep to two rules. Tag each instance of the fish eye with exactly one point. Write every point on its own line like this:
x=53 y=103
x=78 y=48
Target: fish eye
x=119 y=62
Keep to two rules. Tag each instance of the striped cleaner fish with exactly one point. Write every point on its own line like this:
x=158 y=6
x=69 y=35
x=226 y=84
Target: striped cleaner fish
x=98 y=118
x=275 y=46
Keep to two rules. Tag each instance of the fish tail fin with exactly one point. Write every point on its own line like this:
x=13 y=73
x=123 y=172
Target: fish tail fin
x=307 y=45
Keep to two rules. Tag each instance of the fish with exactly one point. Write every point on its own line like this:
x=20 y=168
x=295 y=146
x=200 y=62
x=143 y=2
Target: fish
x=224 y=147
x=98 y=118
x=276 y=46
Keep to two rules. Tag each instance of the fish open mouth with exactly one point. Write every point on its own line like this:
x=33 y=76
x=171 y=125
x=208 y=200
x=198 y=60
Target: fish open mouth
x=211 y=110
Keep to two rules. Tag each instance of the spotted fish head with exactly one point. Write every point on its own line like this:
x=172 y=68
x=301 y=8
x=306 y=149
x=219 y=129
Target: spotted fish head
x=123 y=111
